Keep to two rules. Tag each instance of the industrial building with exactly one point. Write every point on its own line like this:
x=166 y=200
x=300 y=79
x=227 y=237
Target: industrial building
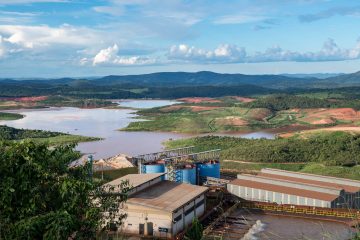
x=285 y=187
x=181 y=165
x=158 y=207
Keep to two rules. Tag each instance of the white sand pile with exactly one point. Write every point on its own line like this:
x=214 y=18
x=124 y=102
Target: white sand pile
x=115 y=162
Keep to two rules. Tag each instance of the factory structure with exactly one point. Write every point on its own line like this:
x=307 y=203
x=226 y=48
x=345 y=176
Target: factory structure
x=158 y=207
x=166 y=195
x=171 y=187
x=285 y=187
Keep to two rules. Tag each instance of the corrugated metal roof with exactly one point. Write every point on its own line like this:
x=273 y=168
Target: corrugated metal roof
x=135 y=180
x=286 y=190
x=166 y=195
x=312 y=182
x=314 y=175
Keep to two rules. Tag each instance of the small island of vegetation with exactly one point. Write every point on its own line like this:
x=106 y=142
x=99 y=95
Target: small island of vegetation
x=40 y=136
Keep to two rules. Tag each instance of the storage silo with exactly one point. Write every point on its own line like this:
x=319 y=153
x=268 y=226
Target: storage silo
x=208 y=169
x=188 y=174
x=154 y=167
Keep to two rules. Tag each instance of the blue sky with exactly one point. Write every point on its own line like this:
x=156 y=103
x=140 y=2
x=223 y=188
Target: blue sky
x=58 y=38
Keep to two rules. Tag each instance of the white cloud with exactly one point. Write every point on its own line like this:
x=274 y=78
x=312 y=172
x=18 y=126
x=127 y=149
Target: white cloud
x=42 y=36
x=2 y=48
x=109 y=56
x=223 y=53
x=239 y=19
x=232 y=54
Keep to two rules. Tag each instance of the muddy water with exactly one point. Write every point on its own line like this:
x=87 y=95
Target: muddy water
x=105 y=123
x=288 y=228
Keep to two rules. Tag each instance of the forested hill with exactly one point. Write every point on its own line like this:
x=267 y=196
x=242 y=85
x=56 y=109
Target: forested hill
x=204 y=78
x=175 y=85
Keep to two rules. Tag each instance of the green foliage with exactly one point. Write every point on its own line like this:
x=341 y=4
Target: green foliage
x=330 y=149
x=284 y=102
x=195 y=232
x=10 y=116
x=9 y=133
x=42 y=198
x=110 y=175
x=76 y=101
x=40 y=136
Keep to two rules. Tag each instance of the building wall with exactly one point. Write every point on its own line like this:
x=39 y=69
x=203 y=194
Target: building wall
x=261 y=195
x=175 y=221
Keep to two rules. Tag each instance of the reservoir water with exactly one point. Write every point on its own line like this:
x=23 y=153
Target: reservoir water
x=105 y=123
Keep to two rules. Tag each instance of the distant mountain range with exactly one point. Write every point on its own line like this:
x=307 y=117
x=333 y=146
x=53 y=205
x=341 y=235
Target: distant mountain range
x=204 y=78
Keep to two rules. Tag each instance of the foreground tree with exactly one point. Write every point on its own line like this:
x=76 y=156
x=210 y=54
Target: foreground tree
x=195 y=232
x=42 y=198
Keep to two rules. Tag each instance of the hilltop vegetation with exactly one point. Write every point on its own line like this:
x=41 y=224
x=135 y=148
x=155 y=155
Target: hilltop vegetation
x=336 y=154
x=176 y=85
x=231 y=114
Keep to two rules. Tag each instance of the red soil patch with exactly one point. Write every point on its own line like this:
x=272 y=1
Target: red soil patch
x=326 y=116
x=171 y=108
x=199 y=100
x=233 y=121
x=202 y=108
x=26 y=99
x=244 y=99
x=349 y=129
x=259 y=113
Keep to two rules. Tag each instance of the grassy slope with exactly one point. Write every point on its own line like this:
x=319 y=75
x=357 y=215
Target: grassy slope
x=182 y=118
x=10 y=116
x=237 y=153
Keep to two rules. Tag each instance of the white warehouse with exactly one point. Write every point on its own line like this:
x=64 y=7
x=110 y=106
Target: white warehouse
x=285 y=187
x=160 y=208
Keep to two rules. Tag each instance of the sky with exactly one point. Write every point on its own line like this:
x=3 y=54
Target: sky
x=84 y=38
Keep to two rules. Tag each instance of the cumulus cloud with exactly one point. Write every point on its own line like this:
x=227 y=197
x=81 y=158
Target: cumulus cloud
x=109 y=56
x=233 y=54
x=223 y=53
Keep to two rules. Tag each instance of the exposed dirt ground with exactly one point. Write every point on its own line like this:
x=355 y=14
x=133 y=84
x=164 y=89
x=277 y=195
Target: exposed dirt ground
x=202 y=108
x=192 y=108
x=327 y=116
x=199 y=100
x=350 y=129
x=243 y=99
x=232 y=120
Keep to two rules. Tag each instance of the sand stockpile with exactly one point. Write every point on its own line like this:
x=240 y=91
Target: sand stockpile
x=115 y=162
